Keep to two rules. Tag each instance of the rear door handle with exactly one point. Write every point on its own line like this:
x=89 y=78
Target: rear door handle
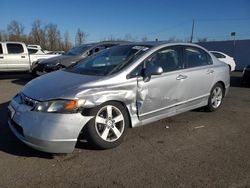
x=210 y=71
x=1 y=57
x=181 y=77
x=23 y=56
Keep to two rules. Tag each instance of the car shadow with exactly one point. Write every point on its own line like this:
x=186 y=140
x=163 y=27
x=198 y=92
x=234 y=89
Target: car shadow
x=236 y=81
x=10 y=144
x=16 y=77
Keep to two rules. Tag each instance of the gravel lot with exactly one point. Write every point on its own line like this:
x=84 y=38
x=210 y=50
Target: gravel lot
x=194 y=149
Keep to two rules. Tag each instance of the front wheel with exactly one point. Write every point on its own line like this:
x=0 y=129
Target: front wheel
x=108 y=127
x=215 y=98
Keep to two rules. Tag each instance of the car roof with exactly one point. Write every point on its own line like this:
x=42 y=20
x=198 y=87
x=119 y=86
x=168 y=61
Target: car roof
x=94 y=44
x=164 y=43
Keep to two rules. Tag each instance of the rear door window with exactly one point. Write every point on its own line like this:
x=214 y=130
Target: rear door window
x=15 y=48
x=195 y=57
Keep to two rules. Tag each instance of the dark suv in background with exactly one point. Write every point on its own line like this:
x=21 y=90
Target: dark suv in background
x=69 y=58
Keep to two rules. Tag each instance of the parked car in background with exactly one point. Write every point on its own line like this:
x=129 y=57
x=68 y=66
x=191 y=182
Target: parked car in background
x=246 y=75
x=128 y=85
x=34 y=46
x=15 y=56
x=72 y=56
x=35 y=51
x=225 y=58
x=39 y=48
x=57 y=52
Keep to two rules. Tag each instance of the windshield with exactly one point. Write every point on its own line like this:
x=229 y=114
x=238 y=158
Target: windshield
x=109 y=61
x=79 y=49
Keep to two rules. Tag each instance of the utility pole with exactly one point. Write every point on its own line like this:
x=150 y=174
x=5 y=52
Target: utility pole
x=192 y=33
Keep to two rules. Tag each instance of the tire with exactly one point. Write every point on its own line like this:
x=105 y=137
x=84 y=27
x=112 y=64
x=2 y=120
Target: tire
x=102 y=131
x=215 y=98
x=33 y=73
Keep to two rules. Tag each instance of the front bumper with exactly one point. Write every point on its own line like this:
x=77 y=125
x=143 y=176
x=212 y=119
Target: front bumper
x=49 y=132
x=43 y=68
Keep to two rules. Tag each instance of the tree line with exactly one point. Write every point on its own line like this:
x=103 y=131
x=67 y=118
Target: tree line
x=48 y=36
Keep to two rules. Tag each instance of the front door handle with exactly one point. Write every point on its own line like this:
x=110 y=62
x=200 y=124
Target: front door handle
x=23 y=56
x=181 y=77
x=1 y=57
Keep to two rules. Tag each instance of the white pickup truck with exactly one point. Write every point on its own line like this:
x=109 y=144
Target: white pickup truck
x=15 y=56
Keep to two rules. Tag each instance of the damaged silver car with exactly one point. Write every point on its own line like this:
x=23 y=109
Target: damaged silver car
x=124 y=86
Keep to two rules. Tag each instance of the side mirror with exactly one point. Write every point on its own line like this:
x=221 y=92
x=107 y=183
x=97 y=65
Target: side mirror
x=151 y=70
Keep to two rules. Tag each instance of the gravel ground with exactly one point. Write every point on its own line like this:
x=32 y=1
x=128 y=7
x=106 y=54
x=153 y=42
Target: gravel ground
x=194 y=149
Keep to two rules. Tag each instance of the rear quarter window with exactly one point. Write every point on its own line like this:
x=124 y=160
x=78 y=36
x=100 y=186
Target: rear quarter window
x=218 y=55
x=32 y=51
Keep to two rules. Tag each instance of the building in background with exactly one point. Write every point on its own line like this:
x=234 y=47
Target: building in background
x=239 y=50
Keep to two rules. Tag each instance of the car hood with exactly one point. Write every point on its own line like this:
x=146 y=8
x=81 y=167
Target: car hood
x=62 y=59
x=58 y=85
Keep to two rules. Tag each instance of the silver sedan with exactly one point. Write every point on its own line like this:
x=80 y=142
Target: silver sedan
x=124 y=86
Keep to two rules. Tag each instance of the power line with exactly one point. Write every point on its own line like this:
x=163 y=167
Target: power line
x=221 y=19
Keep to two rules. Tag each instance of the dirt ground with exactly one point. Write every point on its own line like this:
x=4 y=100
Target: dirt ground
x=194 y=149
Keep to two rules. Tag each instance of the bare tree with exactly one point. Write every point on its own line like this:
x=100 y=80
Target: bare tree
x=67 y=43
x=3 y=36
x=128 y=37
x=52 y=37
x=80 y=37
x=174 y=39
x=38 y=34
x=204 y=39
x=15 y=30
x=144 y=39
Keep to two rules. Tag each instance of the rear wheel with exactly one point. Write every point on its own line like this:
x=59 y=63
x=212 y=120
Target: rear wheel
x=108 y=127
x=215 y=98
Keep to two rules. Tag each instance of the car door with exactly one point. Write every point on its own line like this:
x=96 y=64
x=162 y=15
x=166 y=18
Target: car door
x=160 y=94
x=196 y=79
x=17 y=58
x=3 y=62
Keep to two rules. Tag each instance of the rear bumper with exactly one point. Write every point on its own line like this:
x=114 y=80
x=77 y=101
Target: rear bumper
x=246 y=76
x=48 y=132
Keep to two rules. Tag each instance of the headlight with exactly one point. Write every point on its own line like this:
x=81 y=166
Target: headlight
x=50 y=65
x=60 y=106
